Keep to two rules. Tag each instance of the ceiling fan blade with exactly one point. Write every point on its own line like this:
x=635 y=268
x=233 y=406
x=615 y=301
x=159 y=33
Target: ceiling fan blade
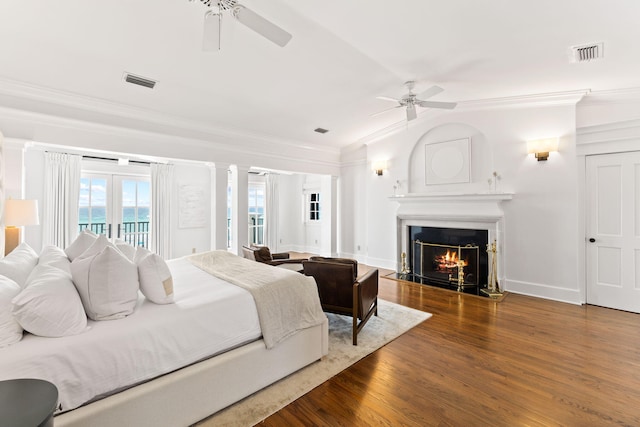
x=384 y=111
x=387 y=98
x=211 y=32
x=437 y=104
x=261 y=26
x=432 y=91
x=411 y=112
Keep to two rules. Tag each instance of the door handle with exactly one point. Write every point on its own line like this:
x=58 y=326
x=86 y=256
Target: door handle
x=592 y=240
x=109 y=232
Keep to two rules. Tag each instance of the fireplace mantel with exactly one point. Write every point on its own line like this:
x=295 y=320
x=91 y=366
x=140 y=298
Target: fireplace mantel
x=476 y=211
x=452 y=206
x=451 y=197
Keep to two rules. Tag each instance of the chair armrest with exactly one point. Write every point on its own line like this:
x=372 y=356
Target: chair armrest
x=280 y=255
x=368 y=292
x=286 y=261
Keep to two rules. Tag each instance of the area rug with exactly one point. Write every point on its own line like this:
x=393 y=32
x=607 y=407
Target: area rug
x=392 y=321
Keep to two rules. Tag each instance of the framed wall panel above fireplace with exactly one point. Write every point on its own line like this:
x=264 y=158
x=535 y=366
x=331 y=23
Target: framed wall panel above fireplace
x=448 y=162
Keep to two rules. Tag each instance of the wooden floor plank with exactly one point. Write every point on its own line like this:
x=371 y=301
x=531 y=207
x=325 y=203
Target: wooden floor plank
x=520 y=362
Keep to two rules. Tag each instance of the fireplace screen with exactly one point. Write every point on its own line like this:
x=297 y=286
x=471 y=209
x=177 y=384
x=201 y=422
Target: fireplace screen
x=451 y=265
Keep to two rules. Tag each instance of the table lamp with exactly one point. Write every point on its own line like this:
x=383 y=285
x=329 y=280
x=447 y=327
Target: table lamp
x=18 y=213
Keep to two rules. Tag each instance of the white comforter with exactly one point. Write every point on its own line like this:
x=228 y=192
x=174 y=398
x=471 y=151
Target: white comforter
x=209 y=316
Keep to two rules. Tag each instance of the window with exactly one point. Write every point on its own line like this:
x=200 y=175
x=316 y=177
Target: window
x=314 y=206
x=256 y=216
x=256 y=213
x=117 y=206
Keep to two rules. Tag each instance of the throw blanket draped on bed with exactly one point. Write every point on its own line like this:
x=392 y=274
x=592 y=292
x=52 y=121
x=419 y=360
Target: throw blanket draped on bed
x=286 y=301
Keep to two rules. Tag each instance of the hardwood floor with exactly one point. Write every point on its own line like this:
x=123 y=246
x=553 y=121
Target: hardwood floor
x=520 y=362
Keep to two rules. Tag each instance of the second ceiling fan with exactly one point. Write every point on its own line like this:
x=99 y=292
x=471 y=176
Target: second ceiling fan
x=410 y=100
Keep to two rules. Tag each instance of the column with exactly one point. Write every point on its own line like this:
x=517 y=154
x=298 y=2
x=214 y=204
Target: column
x=239 y=207
x=219 y=182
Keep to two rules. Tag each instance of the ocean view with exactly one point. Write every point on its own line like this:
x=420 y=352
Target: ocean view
x=99 y=215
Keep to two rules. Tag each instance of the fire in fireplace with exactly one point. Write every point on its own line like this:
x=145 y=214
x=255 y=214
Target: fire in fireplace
x=449 y=257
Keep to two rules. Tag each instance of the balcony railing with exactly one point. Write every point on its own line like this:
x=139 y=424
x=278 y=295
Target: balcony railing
x=134 y=233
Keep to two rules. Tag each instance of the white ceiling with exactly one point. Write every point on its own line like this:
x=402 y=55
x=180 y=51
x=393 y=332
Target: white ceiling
x=343 y=54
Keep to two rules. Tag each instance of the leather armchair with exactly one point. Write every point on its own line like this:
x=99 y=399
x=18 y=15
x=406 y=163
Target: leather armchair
x=342 y=292
x=264 y=255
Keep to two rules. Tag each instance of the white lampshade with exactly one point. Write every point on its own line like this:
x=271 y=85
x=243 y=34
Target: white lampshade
x=20 y=212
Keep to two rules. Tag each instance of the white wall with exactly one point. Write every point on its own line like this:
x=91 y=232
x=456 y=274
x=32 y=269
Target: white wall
x=541 y=233
x=188 y=240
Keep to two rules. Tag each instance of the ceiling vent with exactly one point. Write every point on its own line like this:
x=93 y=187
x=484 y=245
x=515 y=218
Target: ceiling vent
x=140 y=81
x=587 y=52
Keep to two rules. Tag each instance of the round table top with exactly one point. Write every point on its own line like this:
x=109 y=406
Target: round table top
x=27 y=402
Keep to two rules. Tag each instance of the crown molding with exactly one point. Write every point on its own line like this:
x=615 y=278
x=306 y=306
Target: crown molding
x=163 y=122
x=614 y=96
x=237 y=151
x=524 y=101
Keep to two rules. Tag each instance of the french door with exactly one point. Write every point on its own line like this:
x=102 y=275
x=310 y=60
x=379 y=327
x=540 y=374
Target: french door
x=117 y=206
x=613 y=230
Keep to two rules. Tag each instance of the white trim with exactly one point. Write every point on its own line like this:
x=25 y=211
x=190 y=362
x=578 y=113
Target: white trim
x=541 y=290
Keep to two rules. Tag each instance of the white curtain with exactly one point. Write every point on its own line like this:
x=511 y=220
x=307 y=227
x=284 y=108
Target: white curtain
x=272 y=212
x=61 y=196
x=161 y=193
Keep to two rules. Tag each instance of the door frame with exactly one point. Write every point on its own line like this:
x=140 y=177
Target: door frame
x=610 y=138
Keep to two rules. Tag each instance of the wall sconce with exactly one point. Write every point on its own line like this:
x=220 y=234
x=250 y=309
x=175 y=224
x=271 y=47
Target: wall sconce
x=16 y=214
x=542 y=147
x=379 y=166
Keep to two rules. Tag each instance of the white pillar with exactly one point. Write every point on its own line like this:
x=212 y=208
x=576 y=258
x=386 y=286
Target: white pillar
x=239 y=207
x=219 y=178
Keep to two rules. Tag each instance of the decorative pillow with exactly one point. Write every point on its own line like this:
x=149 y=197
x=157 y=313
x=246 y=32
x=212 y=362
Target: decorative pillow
x=156 y=283
x=96 y=247
x=107 y=283
x=50 y=306
x=19 y=263
x=10 y=329
x=128 y=250
x=54 y=256
x=262 y=253
x=81 y=244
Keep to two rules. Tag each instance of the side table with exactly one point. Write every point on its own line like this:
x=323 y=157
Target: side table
x=27 y=403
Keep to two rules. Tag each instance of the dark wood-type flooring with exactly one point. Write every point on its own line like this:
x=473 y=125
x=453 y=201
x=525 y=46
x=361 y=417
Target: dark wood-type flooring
x=520 y=362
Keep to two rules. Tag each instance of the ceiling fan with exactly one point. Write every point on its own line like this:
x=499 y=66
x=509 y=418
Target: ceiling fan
x=244 y=15
x=410 y=100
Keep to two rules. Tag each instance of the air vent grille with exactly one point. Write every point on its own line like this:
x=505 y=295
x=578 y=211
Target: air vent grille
x=321 y=130
x=588 y=52
x=140 y=81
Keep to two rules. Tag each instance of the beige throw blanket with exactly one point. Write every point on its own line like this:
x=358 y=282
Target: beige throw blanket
x=286 y=301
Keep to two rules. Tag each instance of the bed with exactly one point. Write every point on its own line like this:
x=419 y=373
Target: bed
x=173 y=364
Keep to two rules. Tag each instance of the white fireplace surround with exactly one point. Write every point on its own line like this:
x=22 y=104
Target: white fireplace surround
x=474 y=211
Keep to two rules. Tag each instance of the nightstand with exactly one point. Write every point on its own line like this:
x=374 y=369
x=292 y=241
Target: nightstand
x=27 y=403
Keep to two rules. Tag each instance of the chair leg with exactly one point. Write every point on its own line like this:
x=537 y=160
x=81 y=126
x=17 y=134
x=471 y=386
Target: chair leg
x=356 y=292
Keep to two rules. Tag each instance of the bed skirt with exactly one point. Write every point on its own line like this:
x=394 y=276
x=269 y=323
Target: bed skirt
x=193 y=393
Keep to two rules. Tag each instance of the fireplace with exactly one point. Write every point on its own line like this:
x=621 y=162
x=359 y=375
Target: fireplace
x=453 y=258
x=464 y=224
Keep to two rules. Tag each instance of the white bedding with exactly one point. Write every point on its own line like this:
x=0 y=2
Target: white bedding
x=209 y=316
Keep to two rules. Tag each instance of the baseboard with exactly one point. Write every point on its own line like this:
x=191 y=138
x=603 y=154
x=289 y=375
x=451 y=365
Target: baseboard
x=539 y=290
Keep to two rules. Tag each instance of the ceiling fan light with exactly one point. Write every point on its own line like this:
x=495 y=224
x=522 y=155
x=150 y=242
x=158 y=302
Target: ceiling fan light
x=211 y=32
x=261 y=26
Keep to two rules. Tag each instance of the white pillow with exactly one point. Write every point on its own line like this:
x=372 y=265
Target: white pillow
x=107 y=283
x=19 y=263
x=50 y=306
x=128 y=250
x=156 y=282
x=53 y=255
x=10 y=329
x=81 y=244
x=96 y=247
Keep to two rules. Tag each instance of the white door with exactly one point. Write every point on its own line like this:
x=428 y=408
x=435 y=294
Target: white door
x=613 y=230
x=116 y=205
